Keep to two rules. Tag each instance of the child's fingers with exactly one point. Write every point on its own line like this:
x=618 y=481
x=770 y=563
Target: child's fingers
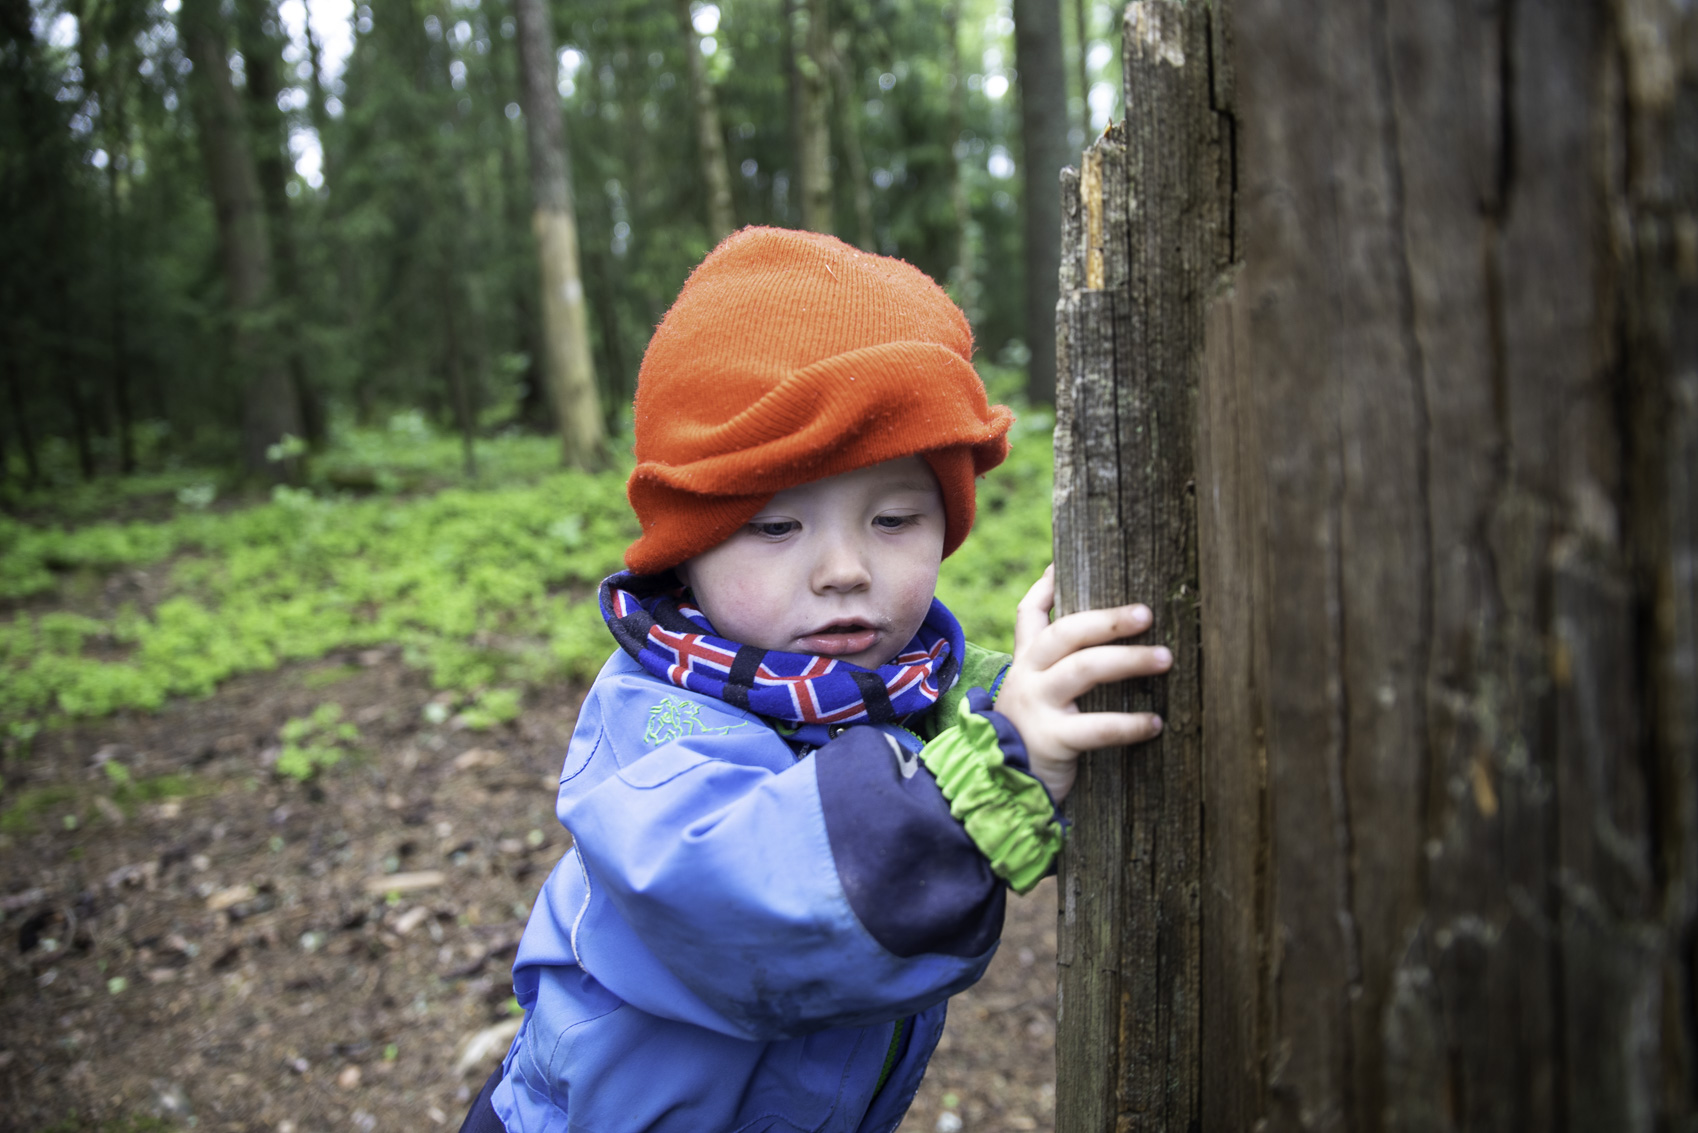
x=1031 y=616
x=1084 y=629
x=1089 y=731
x=1078 y=673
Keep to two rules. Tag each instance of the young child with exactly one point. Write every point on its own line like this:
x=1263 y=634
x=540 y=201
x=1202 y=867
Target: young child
x=795 y=810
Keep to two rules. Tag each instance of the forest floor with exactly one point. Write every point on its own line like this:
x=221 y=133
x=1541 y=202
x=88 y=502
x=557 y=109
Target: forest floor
x=244 y=952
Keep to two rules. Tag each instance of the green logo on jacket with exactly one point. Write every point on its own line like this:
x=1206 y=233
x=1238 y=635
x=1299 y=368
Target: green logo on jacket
x=674 y=719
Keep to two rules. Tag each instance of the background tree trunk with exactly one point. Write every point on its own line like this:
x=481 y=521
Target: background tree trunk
x=117 y=150
x=710 y=137
x=1442 y=840
x=961 y=277
x=571 y=374
x=848 y=110
x=1081 y=66
x=1043 y=138
x=262 y=46
x=809 y=44
x=271 y=404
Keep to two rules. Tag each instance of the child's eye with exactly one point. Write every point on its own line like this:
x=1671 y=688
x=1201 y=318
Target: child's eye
x=773 y=528
x=895 y=522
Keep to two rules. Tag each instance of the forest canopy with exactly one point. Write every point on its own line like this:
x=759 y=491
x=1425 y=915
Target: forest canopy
x=232 y=227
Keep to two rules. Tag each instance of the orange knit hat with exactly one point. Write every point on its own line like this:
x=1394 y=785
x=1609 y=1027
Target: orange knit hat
x=790 y=357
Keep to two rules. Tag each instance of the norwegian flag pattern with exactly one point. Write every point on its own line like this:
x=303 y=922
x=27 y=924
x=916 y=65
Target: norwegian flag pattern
x=657 y=626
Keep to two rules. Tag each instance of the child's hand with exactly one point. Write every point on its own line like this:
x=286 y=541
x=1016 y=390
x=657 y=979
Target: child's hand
x=1055 y=664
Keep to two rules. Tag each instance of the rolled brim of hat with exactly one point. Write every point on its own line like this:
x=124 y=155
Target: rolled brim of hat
x=846 y=412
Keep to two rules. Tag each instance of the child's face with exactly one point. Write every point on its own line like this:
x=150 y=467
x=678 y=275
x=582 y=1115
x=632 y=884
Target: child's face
x=842 y=567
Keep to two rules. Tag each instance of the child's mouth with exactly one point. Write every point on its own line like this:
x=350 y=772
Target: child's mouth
x=839 y=641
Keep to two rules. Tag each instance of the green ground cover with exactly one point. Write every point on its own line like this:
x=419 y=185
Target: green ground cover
x=488 y=585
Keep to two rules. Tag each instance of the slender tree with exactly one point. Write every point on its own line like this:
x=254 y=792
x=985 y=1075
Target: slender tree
x=849 y=130
x=261 y=45
x=565 y=321
x=1081 y=61
x=710 y=138
x=111 y=25
x=271 y=405
x=518 y=286
x=962 y=272
x=810 y=42
x=1043 y=141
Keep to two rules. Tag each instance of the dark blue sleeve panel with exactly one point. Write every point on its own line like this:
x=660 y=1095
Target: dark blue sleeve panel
x=913 y=877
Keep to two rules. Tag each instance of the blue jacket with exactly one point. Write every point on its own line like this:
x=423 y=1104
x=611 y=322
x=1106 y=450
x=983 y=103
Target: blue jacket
x=747 y=934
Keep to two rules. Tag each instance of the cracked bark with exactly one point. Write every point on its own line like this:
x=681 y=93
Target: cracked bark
x=1142 y=243
x=1443 y=812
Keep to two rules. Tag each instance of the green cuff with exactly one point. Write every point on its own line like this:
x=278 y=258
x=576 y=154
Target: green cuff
x=1006 y=812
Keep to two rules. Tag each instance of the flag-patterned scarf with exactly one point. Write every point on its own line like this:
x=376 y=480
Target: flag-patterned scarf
x=656 y=624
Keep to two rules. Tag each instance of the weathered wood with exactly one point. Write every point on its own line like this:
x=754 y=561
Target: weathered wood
x=1445 y=798
x=1142 y=244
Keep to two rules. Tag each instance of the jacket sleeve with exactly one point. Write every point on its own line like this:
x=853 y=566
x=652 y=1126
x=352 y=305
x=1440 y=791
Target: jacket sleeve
x=923 y=843
x=784 y=895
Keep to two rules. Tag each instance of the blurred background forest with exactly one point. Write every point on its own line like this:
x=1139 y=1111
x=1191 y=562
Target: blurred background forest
x=325 y=319
x=319 y=325
x=230 y=228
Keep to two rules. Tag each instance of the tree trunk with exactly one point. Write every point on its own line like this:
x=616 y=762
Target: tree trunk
x=117 y=149
x=1435 y=864
x=271 y=407
x=20 y=419
x=262 y=54
x=860 y=185
x=459 y=395
x=71 y=367
x=571 y=374
x=809 y=45
x=1043 y=139
x=1081 y=62
x=710 y=138
x=962 y=282
x=1131 y=332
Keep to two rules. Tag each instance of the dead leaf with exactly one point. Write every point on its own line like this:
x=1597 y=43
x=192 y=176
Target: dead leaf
x=404 y=882
x=410 y=919
x=478 y=757
x=235 y=895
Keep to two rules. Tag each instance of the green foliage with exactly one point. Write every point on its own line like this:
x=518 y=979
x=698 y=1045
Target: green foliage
x=311 y=743
x=25 y=809
x=130 y=1123
x=489 y=589
x=1011 y=541
x=482 y=586
x=405 y=266
x=154 y=788
x=493 y=707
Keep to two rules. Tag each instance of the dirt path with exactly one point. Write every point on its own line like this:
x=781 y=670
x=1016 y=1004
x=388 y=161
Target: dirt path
x=259 y=955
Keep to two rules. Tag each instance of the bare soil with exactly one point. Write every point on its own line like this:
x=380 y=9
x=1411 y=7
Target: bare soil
x=259 y=954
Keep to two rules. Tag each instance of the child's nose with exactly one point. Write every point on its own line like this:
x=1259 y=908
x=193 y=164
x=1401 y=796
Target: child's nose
x=841 y=567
